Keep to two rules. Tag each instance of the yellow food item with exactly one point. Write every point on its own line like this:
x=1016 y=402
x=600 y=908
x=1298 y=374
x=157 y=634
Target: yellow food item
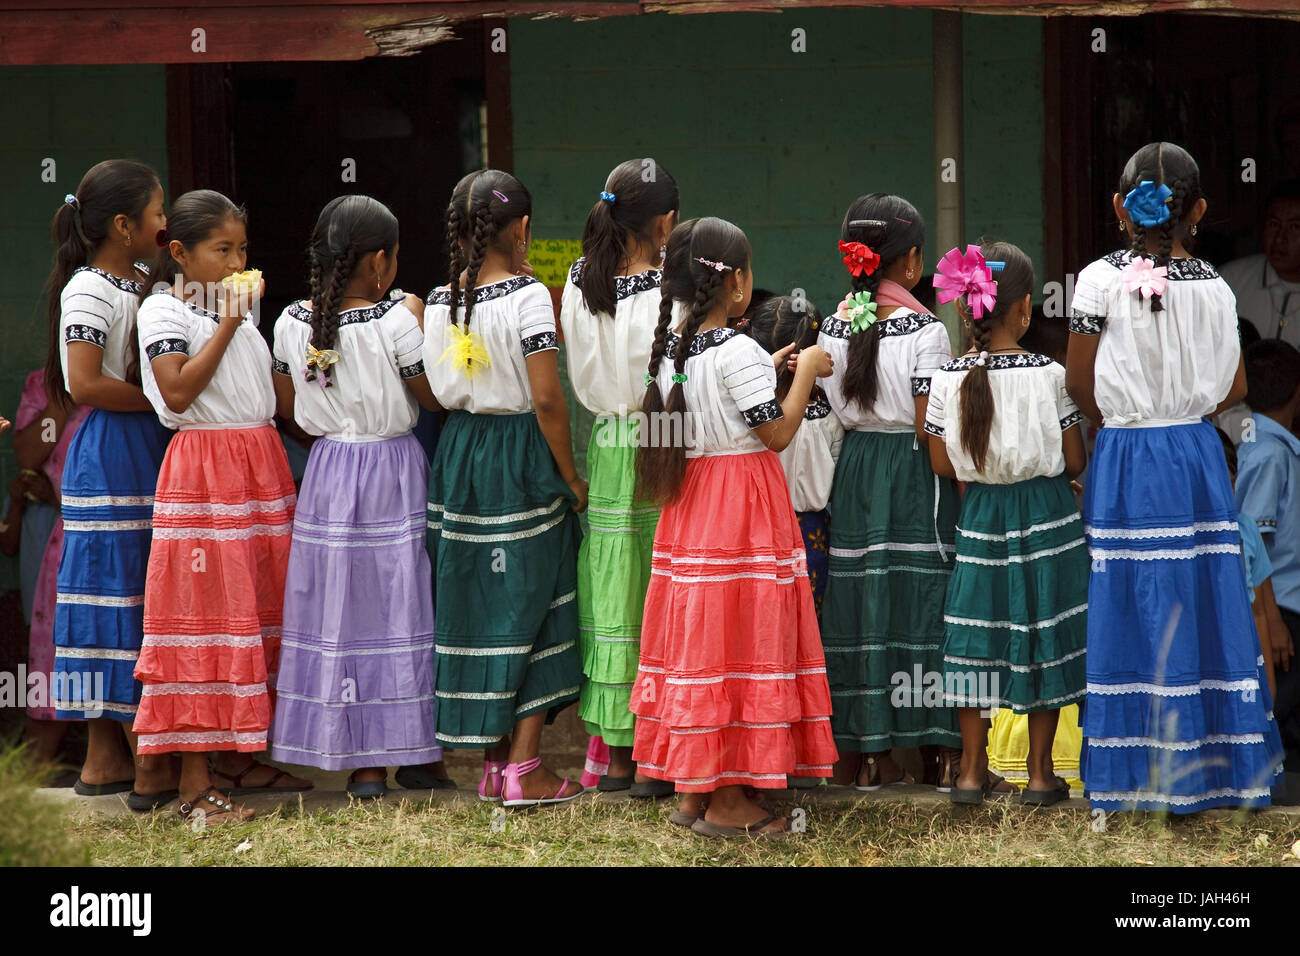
x=243 y=282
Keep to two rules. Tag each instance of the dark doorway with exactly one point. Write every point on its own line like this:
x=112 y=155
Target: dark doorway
x=279 y=138
x=1226 y=88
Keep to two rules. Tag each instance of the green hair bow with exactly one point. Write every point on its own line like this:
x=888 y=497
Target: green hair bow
x=860 y=310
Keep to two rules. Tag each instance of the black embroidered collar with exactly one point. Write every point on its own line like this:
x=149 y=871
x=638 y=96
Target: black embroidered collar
x=701 y=342
x=483 y=293
x=1189 y=268
x=126 y=285
x=999 y=361
x=624 y=286
x=902 y=322
x=817 y=408
x=349 y=316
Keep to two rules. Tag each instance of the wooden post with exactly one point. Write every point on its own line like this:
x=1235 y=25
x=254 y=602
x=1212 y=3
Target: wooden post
x=950 y=174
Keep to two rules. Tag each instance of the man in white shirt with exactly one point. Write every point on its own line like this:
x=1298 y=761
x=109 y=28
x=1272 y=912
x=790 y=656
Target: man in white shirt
x=1267 y=285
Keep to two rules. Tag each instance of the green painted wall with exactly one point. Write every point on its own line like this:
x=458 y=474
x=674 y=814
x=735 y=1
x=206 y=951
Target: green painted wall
x=76 y=116
x=777 y=141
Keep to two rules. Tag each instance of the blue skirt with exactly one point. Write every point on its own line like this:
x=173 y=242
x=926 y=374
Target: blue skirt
x=108 y=486
x=1177 y=716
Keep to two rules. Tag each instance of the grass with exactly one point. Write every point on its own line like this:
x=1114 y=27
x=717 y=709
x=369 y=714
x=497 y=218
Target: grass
x=34 y=831
x=400 y=832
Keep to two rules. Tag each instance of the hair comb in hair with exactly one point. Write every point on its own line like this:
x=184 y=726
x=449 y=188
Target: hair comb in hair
x=967 y=275
x=500 y=195
x=859 y=258
x=1148 y=204
x=871 y=223
x=607 y=197
x=719 y=266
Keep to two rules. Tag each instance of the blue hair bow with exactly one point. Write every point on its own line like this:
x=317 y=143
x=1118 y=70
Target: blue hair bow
x=608 y=197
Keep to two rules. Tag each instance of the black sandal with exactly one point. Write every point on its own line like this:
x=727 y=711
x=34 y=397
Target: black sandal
x=237 y=788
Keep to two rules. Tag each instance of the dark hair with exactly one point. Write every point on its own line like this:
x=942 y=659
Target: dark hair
x=661 y=465
x=115 y=187
x=1229 y=450
x=1170 y=165
x=1272 y=374
x=1247 y=334
x=757 y=299
x=1015 y=280
x=891 y=227
x=476 y=217
x=194 y=217
x=346 y=229
x=776 y=323
x=610 y=225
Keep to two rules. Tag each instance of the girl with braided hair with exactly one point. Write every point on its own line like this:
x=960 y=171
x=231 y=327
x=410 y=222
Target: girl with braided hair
x=608 y=310
x=222 y=515
x=1177 y=716
x=503 y=529
x=730 y=688
x=892 y=538
x=1015 y=618
x=356 y=683
x=99 y=233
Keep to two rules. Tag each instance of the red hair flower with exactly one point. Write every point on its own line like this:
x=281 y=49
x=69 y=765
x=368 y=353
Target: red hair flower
x=859 y=258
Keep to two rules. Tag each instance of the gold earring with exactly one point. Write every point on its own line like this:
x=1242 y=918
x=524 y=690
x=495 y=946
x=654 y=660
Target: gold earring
x=738 y=296
x=127 y=241
x=1123 y=227
x=909 y=273
x=1193 y=229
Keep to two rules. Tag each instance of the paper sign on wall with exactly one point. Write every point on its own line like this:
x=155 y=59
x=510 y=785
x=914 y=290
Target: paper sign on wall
x=551 y=259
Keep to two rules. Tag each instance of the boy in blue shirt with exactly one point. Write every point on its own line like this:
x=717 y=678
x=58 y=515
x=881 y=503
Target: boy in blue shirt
x=1268 y=489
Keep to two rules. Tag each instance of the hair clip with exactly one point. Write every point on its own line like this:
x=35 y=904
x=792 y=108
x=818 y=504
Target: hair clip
x=859 y=258
x=860 y=311
x=957 y=275
x=983 y=359
x=906 y=222
x=1148 y=204
x=679 y=378
x=71 y=200
x=995 y=266
x=814 y=326
x=500 y=195
x=607 y=197
x=874 y=223
x=719 y=266
x=648 y=379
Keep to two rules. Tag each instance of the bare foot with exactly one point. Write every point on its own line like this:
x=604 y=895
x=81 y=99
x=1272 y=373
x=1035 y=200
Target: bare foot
x=541 y=784
x=241 y=771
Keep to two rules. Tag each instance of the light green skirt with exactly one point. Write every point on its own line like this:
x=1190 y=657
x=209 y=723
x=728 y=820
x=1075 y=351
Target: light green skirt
x=613 y=574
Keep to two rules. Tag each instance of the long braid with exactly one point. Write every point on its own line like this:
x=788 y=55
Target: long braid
x=326 y=300
x=455 y=258
x=477 y=253
x=1177 y=206
x=861 y=379
x=649 y=470
x=977 y=397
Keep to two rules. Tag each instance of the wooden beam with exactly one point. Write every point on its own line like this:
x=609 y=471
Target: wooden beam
x=496 y=83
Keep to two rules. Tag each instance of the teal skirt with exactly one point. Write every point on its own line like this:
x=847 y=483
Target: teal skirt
x=891 y=555
x=504 y=545
x=1016 y=623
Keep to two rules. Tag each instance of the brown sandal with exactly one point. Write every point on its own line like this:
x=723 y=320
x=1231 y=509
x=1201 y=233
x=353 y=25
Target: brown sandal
x=873 y=776
x=212 y=806
x=237 y=788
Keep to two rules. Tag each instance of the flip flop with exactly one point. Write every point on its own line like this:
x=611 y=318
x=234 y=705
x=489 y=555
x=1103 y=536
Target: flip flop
x=418 y=777
x=144 y=802
x=102 y=789
x=1047 y=798
x=974 y=797
x=755 y=830
x=608 y=784
x=237 y=788
x=367 y=789
x=687 y=820
x=651 y=789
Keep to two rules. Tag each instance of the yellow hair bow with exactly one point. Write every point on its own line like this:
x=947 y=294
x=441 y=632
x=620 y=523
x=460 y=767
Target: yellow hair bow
x=320 y=360
x=467 y=352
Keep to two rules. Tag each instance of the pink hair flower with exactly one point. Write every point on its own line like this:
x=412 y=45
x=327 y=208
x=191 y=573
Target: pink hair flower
x=1143 y=276
x=967 y=275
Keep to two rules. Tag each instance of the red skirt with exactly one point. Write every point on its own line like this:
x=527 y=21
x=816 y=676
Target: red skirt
x=731 y=687
x=214 y=593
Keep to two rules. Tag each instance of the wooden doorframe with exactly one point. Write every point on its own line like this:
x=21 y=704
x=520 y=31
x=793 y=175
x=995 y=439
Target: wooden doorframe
x=200 y=137
x=1068 y=187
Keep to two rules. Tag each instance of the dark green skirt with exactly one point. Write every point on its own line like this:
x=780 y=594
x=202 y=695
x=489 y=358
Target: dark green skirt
x=504 y=545
x=882 y=621
x=1016 y=623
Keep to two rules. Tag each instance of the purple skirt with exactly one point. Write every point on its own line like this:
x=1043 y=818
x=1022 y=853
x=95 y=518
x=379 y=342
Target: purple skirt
x=356 y=681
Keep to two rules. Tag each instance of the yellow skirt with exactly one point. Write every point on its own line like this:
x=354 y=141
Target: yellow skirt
x=1009 y=746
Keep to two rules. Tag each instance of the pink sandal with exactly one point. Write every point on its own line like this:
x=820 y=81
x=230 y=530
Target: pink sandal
x=491 y=786
x=513 y=794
